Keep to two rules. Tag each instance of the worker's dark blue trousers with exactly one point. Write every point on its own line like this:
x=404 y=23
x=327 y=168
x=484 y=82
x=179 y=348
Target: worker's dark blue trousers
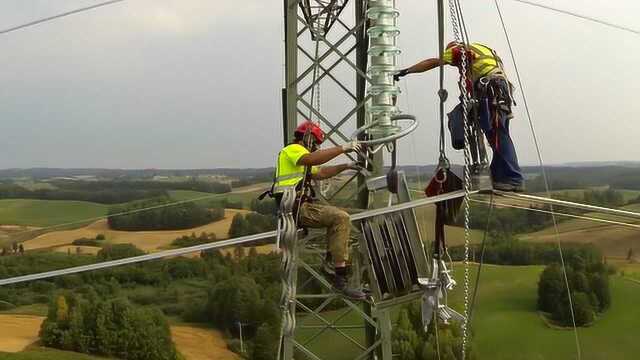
x=504 y=165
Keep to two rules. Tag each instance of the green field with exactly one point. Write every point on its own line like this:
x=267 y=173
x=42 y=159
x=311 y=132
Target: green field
x=41 y=353
x=48 y=212
x=507 y=326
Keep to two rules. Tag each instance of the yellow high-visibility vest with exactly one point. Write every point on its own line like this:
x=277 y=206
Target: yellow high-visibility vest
x=485 y=60
x=288 y=172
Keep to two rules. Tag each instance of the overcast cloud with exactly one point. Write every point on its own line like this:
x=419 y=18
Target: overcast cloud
x=196 y=83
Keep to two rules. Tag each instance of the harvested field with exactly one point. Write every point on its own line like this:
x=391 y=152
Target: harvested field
x=612 y=240
x=148 y=241
x=197 y=343
x=78 y=250
x=18 y=331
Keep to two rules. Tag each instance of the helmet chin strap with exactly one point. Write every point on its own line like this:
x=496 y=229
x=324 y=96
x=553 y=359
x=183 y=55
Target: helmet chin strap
x=307 y=139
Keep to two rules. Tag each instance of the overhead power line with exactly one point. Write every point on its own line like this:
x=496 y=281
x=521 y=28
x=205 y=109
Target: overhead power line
x=583 y=17
x=142 y=258
x=49 y=18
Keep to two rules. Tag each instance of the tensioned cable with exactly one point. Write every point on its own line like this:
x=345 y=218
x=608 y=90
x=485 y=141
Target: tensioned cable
x=237 y=241
x=583 y=17
x=545 y=178
x=579 y=217
x=49 y=18
x=482 y=250
x=138 y=259
x=570 y=205
x=230 y=242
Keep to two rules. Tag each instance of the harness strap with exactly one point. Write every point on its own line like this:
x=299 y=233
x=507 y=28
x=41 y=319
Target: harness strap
x=289 y=177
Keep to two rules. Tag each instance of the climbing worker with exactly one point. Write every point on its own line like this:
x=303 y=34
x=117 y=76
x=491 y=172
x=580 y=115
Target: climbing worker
x=297 y=164
x=488 y=84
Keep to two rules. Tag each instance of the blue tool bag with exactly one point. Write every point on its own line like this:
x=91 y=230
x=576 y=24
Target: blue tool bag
x=456 y=127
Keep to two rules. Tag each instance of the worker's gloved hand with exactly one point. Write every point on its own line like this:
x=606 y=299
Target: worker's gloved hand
x=399 y=74
x=352 y=146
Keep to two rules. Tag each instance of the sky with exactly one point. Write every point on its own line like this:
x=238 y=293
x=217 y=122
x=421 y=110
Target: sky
x=196 y=83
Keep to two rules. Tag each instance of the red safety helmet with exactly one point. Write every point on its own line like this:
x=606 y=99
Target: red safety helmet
x=452 y=44
x=456 y=53
x=311 y=128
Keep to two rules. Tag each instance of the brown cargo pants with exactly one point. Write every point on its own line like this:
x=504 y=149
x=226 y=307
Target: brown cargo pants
x=337 y=223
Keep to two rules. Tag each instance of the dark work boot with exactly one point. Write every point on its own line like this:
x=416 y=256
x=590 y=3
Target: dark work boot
x=327 y=266
x=508 y=187
x=341 y=284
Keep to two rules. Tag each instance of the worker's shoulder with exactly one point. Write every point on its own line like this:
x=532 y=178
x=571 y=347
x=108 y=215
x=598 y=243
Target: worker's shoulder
x=295 y=148
x=481 y=45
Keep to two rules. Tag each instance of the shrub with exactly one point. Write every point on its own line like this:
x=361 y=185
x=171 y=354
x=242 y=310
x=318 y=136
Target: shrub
x=118 y=251
x=113 y=328
x=589 y=286
x=193 y=240
x=86 y=242
x=582 y=309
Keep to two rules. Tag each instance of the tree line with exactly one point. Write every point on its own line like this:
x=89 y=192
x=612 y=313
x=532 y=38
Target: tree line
x=172 y=217
x=109 y=192
x=505 y=249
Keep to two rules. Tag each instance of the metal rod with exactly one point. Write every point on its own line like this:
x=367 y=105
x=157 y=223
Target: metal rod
x=272 y=234
x=141 y=258
x=570 y=204
x=324 y=321
x=409 y=205
x=333 y=327
x=586 y=218
x=326 y=72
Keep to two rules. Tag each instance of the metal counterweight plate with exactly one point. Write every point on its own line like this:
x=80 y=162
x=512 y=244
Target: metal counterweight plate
x=392 y=254
x=404 y=241
x=399 y=251
x=372 y=252
x=384 y=255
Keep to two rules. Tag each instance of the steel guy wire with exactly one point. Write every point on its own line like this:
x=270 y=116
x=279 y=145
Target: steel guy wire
x=49 y=18
x=579 y=217
x=479 y=271
x=138 y=259
x=583 y=17
x=235 y=241
x=544 y=176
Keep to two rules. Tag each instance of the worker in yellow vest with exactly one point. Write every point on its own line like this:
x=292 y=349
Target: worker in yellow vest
x=488 y=84
x=297 y=164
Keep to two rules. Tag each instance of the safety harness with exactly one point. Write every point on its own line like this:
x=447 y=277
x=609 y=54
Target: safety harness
x=303 y=188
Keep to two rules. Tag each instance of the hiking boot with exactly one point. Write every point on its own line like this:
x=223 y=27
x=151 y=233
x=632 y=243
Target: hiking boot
x=508 y=187
x=341 y=285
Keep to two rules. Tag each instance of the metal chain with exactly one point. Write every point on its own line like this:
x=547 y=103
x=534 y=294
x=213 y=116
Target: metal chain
x=467 y=177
